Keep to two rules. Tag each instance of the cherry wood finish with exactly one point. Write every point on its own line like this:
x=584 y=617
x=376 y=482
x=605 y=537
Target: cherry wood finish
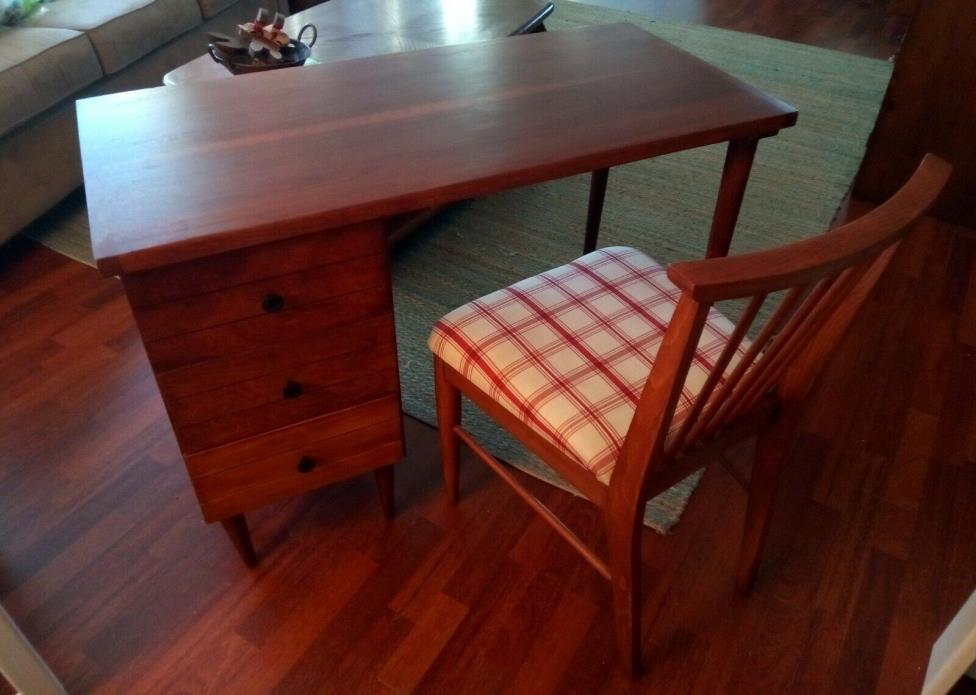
x=166 y=319
x=336 y=345
x=930 y=105
x=594 y=211
x=112 y=576
x=324 y=429
x=384 y=481
x=231 y=276
x=735 y=175
x=549 y=105
x=236 y=271
x=868 y=559
x=237 y=531
x=277 y=365
x=765 y=394
x=273 y=326
x=361 y=28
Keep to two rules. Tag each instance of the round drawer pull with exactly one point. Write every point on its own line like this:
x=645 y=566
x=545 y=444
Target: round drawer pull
x=292 y=389
x=306 y=464
x=273 y=302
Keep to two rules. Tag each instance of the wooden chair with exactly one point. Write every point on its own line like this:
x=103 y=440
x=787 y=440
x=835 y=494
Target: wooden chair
x=624 y=378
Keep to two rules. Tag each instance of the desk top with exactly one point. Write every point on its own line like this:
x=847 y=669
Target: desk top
x=176 y=173
x=361 y=28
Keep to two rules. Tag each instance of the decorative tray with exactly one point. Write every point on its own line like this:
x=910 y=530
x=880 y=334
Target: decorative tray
x=261 y=45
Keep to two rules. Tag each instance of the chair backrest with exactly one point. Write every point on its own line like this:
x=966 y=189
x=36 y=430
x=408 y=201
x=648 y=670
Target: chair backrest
x=824 y=279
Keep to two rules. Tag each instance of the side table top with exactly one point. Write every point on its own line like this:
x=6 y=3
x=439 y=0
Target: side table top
x=362 y=28
x=176 y=174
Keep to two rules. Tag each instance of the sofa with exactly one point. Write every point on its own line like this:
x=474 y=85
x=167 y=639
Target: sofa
x=80 y=48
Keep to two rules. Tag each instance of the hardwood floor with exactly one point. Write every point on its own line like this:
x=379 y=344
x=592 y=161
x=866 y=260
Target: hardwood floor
x=107 y=566
x=109 y=570
x=864 y=27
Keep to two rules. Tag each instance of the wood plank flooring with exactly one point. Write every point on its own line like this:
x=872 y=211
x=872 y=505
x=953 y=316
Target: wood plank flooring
x=108 y=568
x=865 y=27
x=106 y=565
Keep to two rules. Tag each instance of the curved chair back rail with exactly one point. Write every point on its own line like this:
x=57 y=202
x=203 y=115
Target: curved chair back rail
x=826 y=279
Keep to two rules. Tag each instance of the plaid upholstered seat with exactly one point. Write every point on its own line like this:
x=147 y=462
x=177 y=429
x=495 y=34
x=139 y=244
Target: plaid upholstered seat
x=568 y=351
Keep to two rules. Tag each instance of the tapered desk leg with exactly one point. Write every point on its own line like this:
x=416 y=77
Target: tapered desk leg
x=735 y=176
x=384 y=483
x=598 y=190
x=236 y=528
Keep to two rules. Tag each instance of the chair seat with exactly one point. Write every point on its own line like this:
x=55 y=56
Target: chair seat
x=568 y=351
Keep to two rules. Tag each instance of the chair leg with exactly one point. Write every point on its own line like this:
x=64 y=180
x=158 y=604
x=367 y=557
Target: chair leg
x=623 y=550
x=448 y=417
x=771 y=449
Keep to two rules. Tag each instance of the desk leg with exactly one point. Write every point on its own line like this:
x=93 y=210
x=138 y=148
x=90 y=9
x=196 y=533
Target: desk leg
x=598 y=191
x=236 y=528
x=735 y=175
x=384 y=483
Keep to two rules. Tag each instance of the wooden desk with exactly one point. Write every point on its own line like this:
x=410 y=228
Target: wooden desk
x=245 y=220
x=361 y=28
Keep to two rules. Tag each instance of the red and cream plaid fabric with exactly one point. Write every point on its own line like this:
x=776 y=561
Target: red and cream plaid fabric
x=568 y=351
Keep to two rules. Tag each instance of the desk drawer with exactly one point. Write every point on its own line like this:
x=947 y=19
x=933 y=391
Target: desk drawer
x=316 y=400
x=295 y=383
x=254 y=299
x=295 y=437
x=283 y=479
x=333 y=343
x=255 y=263
x=286 y=328
x=259 y=470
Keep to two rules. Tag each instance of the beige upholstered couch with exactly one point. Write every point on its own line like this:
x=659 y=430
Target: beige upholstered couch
x=80 y=48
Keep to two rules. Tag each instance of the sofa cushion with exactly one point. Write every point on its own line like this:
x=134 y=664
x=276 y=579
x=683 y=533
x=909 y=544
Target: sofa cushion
x=122 y=31
x=39 y=68
x=212 y=7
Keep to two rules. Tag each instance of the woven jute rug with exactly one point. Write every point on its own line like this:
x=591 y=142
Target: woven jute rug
x=662 y=206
